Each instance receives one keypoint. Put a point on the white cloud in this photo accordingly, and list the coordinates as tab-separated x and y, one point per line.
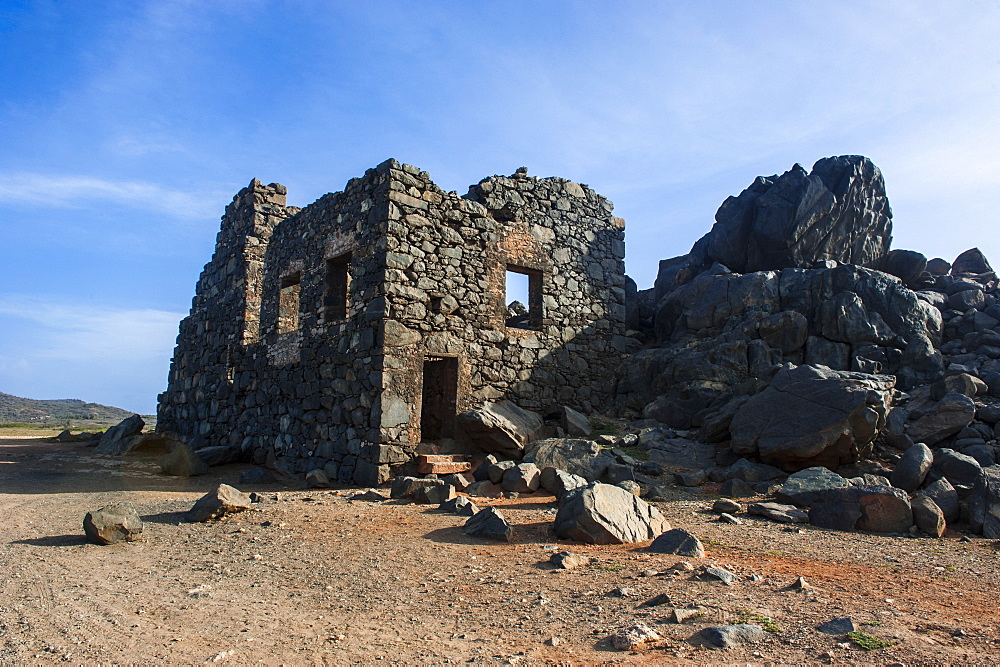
78	191
110	355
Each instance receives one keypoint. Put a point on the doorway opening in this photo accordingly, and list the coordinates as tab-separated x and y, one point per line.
439	403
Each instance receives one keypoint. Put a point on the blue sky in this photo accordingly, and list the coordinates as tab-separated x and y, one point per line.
126	127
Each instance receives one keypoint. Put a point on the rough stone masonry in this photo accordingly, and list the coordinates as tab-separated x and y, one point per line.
342	334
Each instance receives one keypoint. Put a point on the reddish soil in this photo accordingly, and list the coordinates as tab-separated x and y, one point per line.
313	577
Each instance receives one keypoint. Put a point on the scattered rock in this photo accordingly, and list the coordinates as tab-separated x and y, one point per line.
317	479
605	514
407	487
946	418
567	560
490	524
578	457
558	482
678	541
984	504
656	600
573	423
927	516
459	505
215	504
727	636
115	523
736	488
682	614
837	626
718	574
631	486
523	478
182	461
944	496
485	489
778	512
121	438
434	495
730	519
961	470
726	505
634	637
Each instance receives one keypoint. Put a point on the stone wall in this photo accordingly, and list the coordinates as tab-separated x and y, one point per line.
386	296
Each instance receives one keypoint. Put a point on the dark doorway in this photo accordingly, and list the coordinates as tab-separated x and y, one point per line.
439	398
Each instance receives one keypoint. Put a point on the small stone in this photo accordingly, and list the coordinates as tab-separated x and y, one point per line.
726	636
634	637
726	505
729	518
656	601
682	566
718	574
223	500
800	584
567	560
682	614
490	524
459	505
837	626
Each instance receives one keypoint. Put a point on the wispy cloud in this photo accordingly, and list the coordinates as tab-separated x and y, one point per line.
79	191
116	356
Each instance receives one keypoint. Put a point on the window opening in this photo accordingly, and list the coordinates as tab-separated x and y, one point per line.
439	394
523	298
337	281
288	303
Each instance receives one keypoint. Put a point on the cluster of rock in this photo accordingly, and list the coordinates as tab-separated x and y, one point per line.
791	334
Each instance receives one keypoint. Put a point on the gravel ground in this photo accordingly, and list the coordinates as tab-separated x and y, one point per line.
314	577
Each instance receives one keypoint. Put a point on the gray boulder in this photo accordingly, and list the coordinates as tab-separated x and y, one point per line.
215	504
807	486
907	265
912	467
727	636
485	489
459	505
961	470
500	427
752	472
812	416
407	487
971	262
317	479
115	523
218	455
984	504
577	457
490	524
558	482
575	424
877	509
121	438
182	461
523	478
605	514
946	418
679	542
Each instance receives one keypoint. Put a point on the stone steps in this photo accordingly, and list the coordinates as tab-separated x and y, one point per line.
442	464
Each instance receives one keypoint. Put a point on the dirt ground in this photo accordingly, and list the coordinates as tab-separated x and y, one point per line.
313	577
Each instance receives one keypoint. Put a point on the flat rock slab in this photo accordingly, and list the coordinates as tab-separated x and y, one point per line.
837	626
114	523
779	512
215	504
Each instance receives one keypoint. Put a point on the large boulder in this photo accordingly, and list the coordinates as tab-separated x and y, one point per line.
605	514
963	471
121	438
182	461
491	524
838	212
971	262
114	523
808	486
812	416
878	509
500	427
577	457
222	500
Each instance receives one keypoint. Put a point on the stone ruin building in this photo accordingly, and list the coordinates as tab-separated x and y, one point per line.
350	330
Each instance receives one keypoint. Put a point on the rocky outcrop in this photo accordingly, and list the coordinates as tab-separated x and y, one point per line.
812	416
837	212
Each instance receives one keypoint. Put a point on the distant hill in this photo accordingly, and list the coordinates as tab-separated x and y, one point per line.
17	409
